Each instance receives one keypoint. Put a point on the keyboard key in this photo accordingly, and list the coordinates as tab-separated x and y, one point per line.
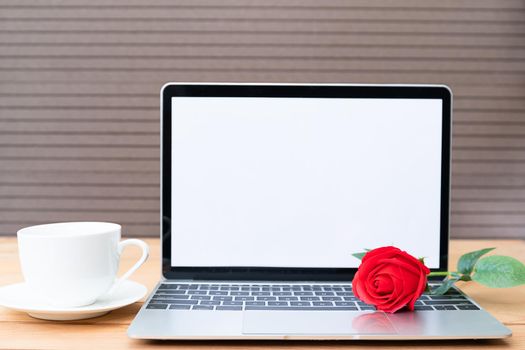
446	297
184	302
213	292
229	288
331	298
255	303
366	308
202	307
444	307
288	298
446	302
168	301
169	286
221	298
170	297
350	299
169	292
325	294
322	303
344	303
198	292
282	294
467	307
265	298
309	298
244	298
180	307
210	302
302	293
278	303
300	303
157	306
159	301
232	303
423	308
230	308
200	297
240	293
261	293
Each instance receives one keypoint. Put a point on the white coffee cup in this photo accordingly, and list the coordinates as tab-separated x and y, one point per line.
72	264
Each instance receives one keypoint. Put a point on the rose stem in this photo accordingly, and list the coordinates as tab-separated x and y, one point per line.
439	273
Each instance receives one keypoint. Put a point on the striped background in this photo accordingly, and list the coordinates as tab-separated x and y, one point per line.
79	85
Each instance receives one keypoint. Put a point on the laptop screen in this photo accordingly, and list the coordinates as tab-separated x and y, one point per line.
303	182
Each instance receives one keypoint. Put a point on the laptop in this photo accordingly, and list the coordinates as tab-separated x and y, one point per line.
268	189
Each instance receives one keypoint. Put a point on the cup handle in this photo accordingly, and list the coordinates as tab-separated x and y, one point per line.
143	258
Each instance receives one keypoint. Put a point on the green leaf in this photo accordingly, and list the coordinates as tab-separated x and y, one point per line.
467	261
499	271
445	286
455	274
359	255
465	278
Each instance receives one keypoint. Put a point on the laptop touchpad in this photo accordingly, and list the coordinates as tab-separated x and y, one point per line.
315	322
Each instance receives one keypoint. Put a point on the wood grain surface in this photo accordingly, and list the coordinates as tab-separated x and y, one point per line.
19	331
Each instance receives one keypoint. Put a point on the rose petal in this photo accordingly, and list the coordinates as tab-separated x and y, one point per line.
404	296
370	281
407	265
414	261
385	285
385	251
422	283
398	287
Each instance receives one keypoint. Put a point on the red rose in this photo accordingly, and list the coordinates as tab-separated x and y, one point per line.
390	279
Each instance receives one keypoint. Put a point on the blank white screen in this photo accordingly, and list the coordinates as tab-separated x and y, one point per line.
303	182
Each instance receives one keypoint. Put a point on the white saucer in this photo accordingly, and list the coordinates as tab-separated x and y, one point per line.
19	297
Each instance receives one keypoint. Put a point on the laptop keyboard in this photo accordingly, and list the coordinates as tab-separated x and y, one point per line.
311	297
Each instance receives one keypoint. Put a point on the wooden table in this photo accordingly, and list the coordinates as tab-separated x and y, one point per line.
19	331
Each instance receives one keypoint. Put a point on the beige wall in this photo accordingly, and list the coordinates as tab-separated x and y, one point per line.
79	85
